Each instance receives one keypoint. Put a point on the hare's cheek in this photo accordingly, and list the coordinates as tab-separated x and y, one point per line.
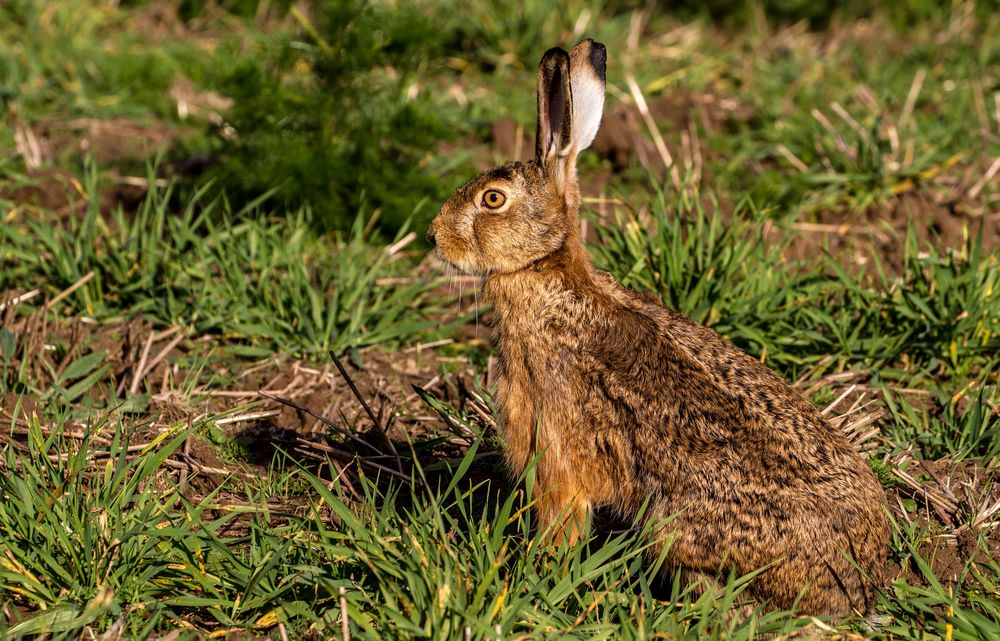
465	227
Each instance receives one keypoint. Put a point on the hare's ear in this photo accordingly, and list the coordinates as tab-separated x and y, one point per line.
588	62
555	109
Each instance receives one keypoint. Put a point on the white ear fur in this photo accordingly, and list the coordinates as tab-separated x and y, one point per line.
588	64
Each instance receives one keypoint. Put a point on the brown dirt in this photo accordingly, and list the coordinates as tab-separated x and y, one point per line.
952	498
882	231
58	191
109	141
178	393
50	189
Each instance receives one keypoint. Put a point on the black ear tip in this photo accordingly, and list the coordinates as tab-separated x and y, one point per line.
598	58
553	57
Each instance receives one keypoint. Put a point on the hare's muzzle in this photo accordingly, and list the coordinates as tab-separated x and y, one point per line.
430	235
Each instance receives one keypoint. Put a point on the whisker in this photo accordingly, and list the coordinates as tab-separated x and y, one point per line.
475	294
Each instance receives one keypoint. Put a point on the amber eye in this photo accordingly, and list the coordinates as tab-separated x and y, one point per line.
494	199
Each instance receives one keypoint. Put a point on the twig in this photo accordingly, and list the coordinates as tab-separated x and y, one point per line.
837	138
422	346
231	393
400	244
322	419
829	408
364	404
978	187
188	464
167	333
159	357
140	368
17	300
350	458
69	290
792	158
939	502
252	416
345	627
851	122
654	131
911	97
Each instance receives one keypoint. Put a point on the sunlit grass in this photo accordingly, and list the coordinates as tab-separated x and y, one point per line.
770	124
264	283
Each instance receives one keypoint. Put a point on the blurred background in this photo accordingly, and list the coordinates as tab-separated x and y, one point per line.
812	109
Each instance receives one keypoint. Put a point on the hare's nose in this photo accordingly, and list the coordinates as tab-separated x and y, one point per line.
430	236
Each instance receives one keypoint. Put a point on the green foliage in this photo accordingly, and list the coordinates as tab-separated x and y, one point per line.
964	607
189	9
943	310
505	35
340	118
90	546
82	546
446	566
86	550
822	13
953	427
265	283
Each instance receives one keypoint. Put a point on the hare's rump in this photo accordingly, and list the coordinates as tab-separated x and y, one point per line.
627	404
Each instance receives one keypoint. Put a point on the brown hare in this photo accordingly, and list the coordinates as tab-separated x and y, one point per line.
627	402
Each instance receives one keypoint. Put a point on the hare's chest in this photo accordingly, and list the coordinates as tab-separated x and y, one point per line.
538	397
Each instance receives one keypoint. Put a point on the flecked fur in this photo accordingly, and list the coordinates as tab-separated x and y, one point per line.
629	402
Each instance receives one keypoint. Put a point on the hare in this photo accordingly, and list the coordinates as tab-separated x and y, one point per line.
627	404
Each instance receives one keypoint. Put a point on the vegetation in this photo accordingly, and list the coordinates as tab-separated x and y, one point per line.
238	398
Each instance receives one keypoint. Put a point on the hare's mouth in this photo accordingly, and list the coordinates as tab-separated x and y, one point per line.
459	265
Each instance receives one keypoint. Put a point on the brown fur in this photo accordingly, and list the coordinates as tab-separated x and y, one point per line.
629	402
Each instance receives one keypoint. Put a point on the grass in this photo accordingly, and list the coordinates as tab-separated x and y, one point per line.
265	284
108	547
833	213
112	542
940	310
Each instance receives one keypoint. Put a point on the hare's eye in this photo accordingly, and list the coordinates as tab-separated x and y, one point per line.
493	199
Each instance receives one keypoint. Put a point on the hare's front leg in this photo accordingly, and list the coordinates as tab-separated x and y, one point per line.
562	501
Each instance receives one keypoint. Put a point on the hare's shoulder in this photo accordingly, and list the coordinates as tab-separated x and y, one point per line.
672	364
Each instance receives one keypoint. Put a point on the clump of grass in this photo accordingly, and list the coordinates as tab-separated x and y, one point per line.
942	310
91	546
111	543
445	566
268	284
953	426
83	542
962	606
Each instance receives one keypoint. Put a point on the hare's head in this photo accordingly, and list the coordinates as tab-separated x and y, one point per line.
511	216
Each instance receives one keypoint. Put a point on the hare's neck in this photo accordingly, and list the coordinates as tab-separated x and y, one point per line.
535	301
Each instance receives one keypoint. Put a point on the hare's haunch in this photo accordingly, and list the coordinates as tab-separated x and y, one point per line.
628	402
